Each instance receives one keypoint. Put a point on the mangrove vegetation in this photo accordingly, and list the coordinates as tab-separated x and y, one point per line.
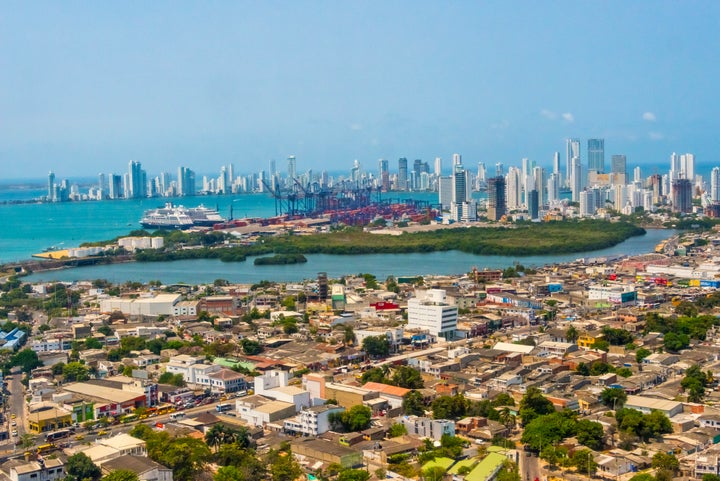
524	239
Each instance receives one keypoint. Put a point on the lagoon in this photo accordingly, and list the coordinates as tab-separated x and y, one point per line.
381	265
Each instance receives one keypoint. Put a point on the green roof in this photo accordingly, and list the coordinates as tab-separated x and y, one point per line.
497	449
444	463
486	468
469	462
231	363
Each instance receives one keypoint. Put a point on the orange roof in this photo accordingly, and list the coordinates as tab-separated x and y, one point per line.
386	389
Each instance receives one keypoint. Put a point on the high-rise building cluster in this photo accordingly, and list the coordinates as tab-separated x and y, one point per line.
581	182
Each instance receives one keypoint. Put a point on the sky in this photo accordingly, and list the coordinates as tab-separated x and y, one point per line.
87	86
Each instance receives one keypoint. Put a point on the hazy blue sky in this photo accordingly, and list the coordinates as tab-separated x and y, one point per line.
87	86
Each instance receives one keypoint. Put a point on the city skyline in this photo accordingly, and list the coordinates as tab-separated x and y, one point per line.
88	85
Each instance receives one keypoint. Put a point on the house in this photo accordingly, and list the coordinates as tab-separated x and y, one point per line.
145	468
556	349
428	428
613	466
646	405
586	340
394	394
709	421
261	411
38	470
312	421
327	452
274	384
227	381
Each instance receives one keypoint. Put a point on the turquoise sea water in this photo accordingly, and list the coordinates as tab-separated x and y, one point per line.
32	227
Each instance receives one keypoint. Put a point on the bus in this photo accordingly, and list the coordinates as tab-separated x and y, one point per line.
129	418
165	408
44	448
224	407
63	433
175	416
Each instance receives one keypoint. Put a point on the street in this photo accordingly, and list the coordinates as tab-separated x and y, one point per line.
529	467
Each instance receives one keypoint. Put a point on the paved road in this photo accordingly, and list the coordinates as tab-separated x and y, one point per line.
529	467
16	402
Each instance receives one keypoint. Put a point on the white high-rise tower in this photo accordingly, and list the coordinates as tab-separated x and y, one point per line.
572	147
715	184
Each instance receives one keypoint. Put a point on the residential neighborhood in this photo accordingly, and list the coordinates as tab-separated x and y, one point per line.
604	367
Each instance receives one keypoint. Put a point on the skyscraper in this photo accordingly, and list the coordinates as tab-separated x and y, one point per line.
384	174
687	166
596	155
538	185
272	168
355	172
292	168
619	169
572	150
496	198
438	166
51	186
460	184
576	179
402	178
186	181
553	188
533	204
619	164
513	188
136	181
481	172
115	182
457	159
681	195
556	163
715	184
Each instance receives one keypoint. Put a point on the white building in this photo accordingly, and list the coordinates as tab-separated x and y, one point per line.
430	311
160	304
312	421
47	470
428	428
614	294
394	335
131	244
274	384
226	380
186	308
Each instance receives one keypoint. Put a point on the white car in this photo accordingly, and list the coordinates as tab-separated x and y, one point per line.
14	423
14	432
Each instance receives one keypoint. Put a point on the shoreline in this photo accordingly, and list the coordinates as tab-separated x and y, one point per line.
199	271
47	265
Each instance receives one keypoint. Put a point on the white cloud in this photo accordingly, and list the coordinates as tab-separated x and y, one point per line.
356	127
548	114
649	116
503	124
568	117
656	136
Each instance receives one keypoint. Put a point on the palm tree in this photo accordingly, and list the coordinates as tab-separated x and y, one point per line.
215	436
507	418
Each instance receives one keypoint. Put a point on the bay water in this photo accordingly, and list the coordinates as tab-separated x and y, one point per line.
199	271
29	228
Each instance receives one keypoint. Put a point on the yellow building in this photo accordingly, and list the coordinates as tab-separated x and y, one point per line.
587	339
49	420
